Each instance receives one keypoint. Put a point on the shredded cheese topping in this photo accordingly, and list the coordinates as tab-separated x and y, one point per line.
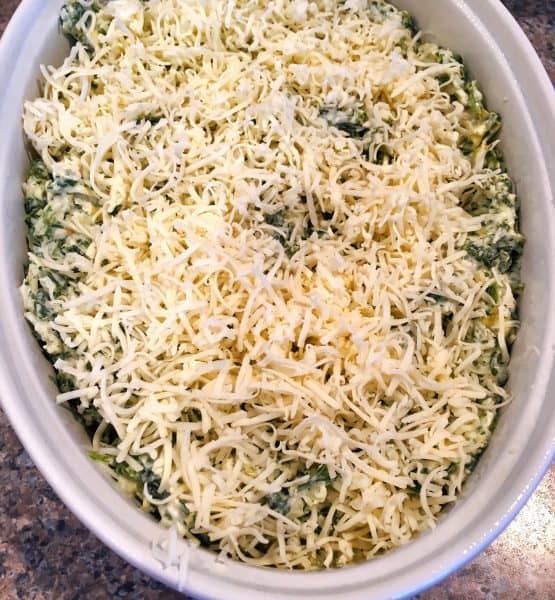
253	267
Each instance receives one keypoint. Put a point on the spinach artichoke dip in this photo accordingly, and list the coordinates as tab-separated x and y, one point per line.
274	260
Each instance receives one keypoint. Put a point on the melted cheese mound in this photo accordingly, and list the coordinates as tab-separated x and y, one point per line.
252	266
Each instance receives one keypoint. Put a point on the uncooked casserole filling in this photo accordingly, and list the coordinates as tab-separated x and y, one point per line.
274	260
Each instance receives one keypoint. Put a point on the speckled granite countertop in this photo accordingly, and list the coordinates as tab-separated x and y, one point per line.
46	553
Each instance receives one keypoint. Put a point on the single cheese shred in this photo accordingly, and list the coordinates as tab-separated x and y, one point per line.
274	260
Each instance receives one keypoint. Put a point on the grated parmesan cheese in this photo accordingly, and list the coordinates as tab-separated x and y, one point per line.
275	264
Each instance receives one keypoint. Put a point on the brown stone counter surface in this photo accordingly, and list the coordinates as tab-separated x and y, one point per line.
45	553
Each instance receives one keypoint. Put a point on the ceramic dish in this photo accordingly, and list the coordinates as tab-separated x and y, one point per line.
501	58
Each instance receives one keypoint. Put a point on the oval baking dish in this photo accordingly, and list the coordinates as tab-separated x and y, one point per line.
501	58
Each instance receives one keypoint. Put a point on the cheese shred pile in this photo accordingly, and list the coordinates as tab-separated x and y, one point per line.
273	257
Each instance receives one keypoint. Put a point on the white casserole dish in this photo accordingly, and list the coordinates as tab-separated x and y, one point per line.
501	58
